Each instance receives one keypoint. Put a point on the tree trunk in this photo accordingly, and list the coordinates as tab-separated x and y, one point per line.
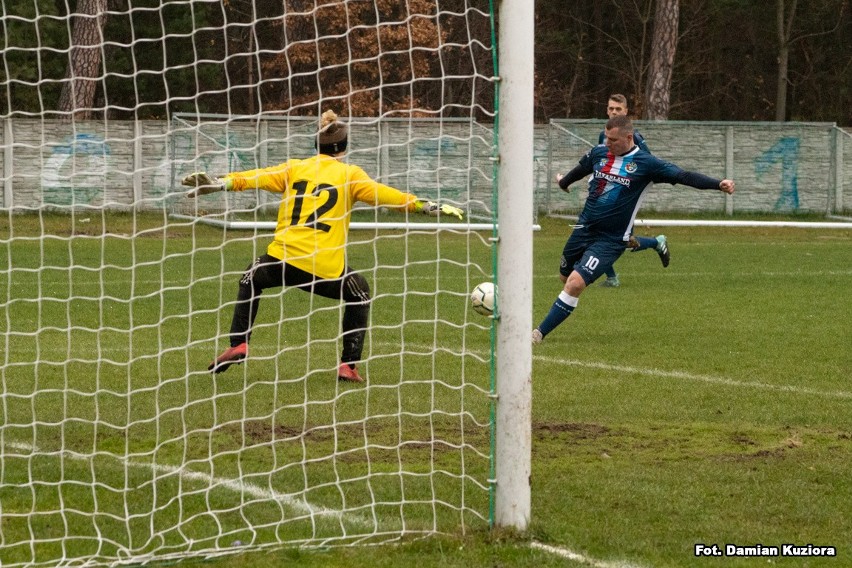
84	61
783	29
663	48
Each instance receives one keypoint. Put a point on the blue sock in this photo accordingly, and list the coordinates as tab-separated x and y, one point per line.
645	243
559	312
610	272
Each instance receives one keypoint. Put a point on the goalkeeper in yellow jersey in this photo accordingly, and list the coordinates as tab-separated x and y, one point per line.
309	248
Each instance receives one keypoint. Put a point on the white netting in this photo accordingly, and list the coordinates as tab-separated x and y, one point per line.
116	444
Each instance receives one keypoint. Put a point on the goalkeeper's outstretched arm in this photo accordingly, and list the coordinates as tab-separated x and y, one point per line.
369	191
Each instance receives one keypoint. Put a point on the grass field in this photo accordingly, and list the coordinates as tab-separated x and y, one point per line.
703	403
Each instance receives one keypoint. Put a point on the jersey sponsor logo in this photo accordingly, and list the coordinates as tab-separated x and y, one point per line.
625	181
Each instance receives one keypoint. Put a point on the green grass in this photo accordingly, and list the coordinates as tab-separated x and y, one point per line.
706	402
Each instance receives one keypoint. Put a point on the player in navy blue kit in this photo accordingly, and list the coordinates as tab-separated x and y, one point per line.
617	106
620	173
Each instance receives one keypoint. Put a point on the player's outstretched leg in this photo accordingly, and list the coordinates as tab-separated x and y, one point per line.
356	318
657	243
642	243
264	272
559	312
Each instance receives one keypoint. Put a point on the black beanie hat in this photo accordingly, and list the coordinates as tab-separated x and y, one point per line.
333	135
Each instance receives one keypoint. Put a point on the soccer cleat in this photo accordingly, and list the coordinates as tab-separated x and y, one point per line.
537	337
663	250
347	373
611	282
231	356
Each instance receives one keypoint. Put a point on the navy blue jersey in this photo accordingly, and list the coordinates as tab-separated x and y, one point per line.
616	186
638	139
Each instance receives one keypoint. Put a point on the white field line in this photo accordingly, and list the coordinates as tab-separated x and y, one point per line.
681	375
577	557
297	505
678	375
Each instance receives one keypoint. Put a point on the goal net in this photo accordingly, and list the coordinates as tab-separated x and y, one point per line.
116	291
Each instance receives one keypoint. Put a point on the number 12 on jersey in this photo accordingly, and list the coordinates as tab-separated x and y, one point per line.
312	219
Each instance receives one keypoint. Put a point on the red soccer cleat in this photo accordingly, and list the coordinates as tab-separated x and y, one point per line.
231	356
347	373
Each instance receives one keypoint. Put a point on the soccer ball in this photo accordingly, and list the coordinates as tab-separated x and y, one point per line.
482	298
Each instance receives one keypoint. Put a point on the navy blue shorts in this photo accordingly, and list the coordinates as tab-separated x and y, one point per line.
590	254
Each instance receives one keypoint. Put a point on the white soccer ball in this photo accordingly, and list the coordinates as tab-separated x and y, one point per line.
482	298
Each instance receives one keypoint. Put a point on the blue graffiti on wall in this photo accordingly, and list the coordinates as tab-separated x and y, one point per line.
786	151
79	155
433	148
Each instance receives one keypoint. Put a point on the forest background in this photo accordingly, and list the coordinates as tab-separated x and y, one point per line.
733	60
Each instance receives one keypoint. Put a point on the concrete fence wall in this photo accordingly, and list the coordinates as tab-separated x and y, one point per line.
137	165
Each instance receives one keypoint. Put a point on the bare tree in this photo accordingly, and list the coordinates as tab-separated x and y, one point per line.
783	27
619	32
84	59
784	19
663	47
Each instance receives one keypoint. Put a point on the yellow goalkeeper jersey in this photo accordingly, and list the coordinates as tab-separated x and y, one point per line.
316	205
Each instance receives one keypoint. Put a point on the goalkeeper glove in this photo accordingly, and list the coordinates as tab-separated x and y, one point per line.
204	184
435	209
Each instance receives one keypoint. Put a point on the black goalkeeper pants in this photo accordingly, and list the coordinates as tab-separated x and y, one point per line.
269	272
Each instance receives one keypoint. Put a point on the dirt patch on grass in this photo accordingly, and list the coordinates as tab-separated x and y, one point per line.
260	431
429	437
570	430
775	451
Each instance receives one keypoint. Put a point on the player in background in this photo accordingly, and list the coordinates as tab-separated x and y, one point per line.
620	172
309	247
617	106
